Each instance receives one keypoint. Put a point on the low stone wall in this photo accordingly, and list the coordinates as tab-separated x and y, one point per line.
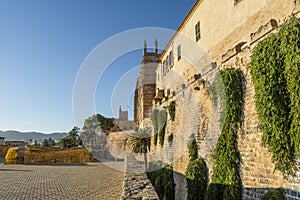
137	186
3	149
61	156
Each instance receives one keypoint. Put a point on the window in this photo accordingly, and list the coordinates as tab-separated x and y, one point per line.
171	59
197	31
179	52
236	2
158	77
164	67
167	63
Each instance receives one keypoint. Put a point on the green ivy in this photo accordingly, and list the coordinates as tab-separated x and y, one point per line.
197	179
275	73
274	194
154	119
162	122
193	148
172	110
226	173
170	138
290	45
217	94
196	173
161	176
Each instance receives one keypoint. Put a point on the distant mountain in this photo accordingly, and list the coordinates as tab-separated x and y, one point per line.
26	136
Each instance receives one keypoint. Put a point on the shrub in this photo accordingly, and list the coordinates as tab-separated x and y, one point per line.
170	138
172	110
161	177
274	194
197	179
154	119
193	149
11	156
162	122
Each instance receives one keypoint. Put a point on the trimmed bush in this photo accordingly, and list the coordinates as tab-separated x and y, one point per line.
11	156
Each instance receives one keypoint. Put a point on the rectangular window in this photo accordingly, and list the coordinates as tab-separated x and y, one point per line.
171	59
179	52
197	31
167	63
164	67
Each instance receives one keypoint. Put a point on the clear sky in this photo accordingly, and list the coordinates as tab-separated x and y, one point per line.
44	43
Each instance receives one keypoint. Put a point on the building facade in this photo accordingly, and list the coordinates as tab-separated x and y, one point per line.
123	122
145	86
2	140
214	35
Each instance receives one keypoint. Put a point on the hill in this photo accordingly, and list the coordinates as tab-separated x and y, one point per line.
27	136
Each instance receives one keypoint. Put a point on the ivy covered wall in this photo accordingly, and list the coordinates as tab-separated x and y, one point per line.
275	70
226	180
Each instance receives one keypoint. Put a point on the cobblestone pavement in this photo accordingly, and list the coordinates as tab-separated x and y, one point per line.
74	181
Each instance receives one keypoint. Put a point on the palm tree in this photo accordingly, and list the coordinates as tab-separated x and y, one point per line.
140	142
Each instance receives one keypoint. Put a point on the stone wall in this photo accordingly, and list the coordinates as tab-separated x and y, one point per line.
257	169
53	156
3	149
227	43
136	185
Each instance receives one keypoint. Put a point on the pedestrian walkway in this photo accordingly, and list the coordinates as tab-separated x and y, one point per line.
70	181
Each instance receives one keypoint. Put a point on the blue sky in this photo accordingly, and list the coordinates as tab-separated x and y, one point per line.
44	43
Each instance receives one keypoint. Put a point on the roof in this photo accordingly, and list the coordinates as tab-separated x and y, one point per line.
2	137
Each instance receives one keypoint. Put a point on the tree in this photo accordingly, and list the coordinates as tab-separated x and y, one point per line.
72	140
45	143
140	142
92	125
48	142
51	142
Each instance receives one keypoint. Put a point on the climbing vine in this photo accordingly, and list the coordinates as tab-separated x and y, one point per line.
196	176
154	119
162	122
217	94
161	176
172	110
193	148
196	173
170	138
226	178
275	70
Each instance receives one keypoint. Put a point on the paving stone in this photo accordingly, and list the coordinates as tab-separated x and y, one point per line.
75	181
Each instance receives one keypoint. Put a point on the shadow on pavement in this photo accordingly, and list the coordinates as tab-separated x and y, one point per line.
15	170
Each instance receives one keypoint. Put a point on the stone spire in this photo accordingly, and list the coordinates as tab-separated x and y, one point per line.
156	46
145	47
